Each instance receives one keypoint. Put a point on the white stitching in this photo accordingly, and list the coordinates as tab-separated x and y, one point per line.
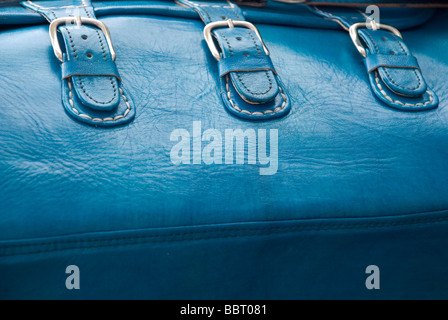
208	5
419	78
70	99
255	113
331	17
54	8
34	10
377	79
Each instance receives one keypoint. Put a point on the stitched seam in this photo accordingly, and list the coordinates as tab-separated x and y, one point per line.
208	5
34	10
376	73
72	44
207	13
105	59
232	8
70	99
415	72
343	226
227	41
152	239
229	97
99	102
377	80
255	93
239	75
203	9
374	43
54	14
102	44
330	16
267	73
255	42
85	10
53	8
385	69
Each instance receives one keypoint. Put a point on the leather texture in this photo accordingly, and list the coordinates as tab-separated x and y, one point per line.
83	68
95	97
358	182
272	13
374	61
398	86
250	86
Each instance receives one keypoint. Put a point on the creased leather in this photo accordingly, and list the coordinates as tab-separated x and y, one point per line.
250	94
402	88
97	99
407	80
72	68
358	183
374	61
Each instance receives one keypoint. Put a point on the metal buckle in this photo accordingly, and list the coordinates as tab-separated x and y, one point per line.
231	24
79	21
375	26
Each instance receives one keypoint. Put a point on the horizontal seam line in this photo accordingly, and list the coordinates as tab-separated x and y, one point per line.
259	232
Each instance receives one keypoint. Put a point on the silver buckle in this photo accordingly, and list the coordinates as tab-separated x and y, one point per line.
231	24
79	22
375	26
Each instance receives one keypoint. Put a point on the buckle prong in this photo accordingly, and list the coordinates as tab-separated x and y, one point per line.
375	26
230	24
79	21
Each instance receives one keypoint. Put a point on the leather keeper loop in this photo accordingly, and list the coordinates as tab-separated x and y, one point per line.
87	68
374	61
239	64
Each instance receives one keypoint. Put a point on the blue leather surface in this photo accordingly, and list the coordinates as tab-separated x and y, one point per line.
358	183
234	64
80	68
254	93
97	98
399	87
374	61
272	13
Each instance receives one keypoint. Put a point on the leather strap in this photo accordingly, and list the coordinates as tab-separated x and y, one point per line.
92	91
250	86
374	61
394	73
236	64
87	68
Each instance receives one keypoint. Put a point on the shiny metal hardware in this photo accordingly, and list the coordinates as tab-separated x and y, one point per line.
230	24
79	21
375	26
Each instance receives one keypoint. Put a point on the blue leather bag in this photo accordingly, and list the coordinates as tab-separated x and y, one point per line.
217	150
